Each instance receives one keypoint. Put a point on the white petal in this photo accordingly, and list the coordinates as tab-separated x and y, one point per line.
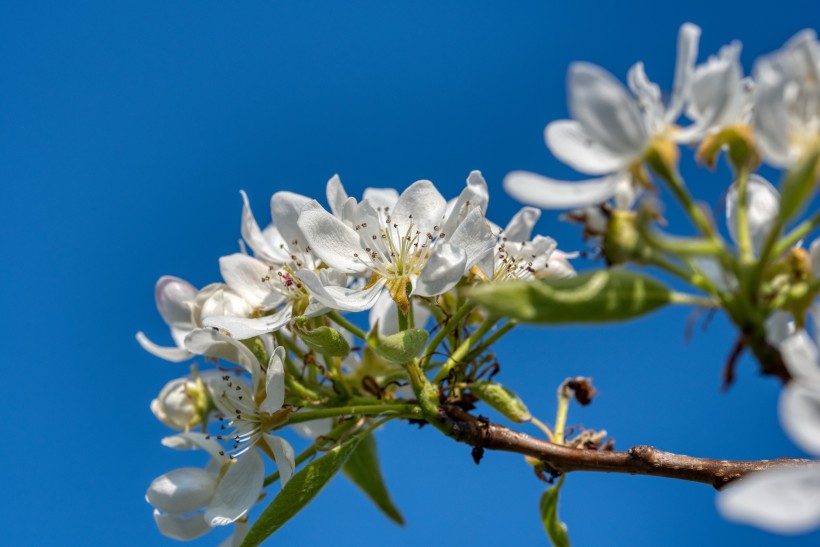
475	236
251	233
801	355
174	297
568	141
688	38
182	490
181	527
553	194
716	93
242	328
385	313
175	355
333	241
284	455
420	206
763	204
285	208
212	343
336	195
648	93
275	382
800	414
443	270
195	441
340	298
606	111
313	428
381	197
246	275
219	299
475	195
814	254
237	491
785	501
240	531
771	123
778	327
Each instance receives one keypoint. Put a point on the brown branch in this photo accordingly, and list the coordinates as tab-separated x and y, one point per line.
638	460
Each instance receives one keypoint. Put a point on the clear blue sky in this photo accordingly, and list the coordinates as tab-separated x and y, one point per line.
127	130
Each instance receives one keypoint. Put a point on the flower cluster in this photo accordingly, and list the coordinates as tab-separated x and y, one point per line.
270	328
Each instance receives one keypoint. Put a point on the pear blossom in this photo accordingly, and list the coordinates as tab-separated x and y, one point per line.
787	109
174	298
394	247
189	502
609	134
184	402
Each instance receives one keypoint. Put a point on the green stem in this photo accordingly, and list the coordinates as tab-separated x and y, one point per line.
347	325
799	232
443	331
400	410
744	238
492	339
691	299
461	351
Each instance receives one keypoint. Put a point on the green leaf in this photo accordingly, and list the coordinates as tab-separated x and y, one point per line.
363	469
324	340
299	491
400	347
594	297
798	186
502	399
556	530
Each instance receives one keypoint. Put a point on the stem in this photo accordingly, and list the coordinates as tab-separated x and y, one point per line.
458	355
744	238
400	410
692	299
337	318
799	232
492	339
443	331
638	460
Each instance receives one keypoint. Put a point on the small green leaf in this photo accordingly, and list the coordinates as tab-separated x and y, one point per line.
502	399
556	530
400	347
299	491
594	297
798	186
363	469
324	340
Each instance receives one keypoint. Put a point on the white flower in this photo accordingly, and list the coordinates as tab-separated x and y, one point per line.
787	501
394	247
787	101
609	134
183	403
188	502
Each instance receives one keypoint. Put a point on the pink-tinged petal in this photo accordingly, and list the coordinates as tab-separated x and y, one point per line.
520	226
800	414
606	111
274	382
181	527
420	206
237	491
688	37
175	355
261	246
443	270
182	490
174	297
336	195
474	236
284	455
285	209
212	343
568	141
763	204
251	278
548	193
784	501
242	328
333	241
340	298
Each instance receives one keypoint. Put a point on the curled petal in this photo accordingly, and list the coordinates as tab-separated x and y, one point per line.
785	501
381	197
174	297
242	328
247	276
520	226
237	491
549	193
688	37
175	355
212	343
475	236
255	238
193	441
284	455
336	195
275	382
340	298
285	208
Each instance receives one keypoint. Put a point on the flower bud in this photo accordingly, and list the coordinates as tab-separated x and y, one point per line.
182	403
